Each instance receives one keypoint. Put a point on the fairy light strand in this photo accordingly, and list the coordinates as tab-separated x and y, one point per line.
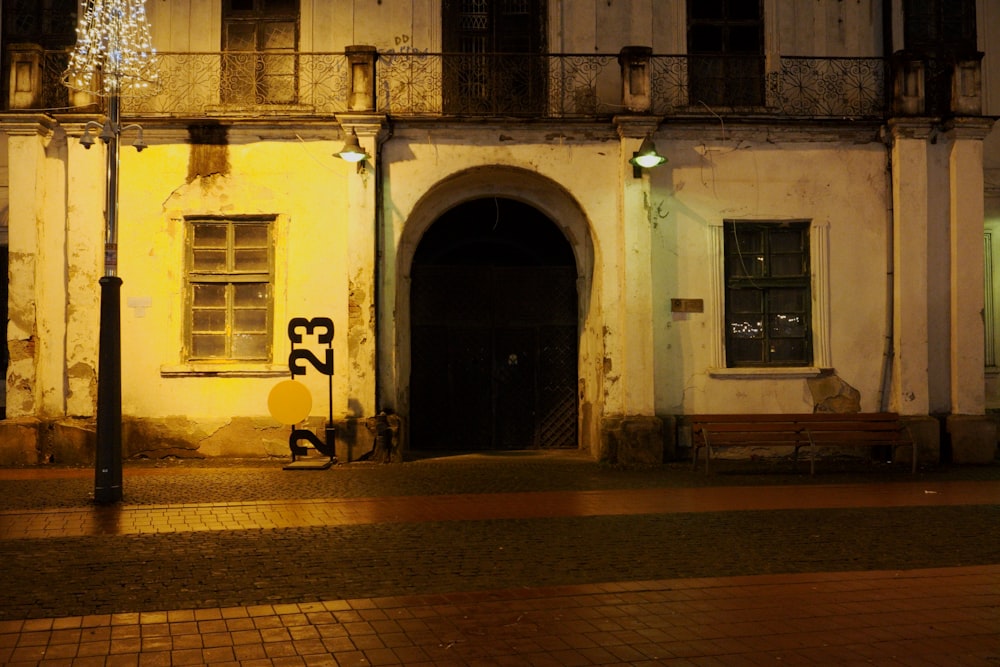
113	53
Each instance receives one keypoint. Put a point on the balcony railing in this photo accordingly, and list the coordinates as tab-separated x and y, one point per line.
498	85
212	84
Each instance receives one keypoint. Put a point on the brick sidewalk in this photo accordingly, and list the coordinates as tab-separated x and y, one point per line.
904	572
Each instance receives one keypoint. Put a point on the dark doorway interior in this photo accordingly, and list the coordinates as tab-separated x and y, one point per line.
494	331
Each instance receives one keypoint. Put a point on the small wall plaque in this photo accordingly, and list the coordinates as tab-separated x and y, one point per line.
687	305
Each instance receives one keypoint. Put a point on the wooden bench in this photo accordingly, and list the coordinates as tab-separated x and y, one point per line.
864	429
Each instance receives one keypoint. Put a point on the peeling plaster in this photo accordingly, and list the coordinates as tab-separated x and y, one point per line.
831	394
209	151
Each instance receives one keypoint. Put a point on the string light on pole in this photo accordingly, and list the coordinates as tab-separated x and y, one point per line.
113	57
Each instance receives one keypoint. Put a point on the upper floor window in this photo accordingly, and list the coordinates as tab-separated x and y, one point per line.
230	287
260	38
767	294
50	24
939	30
495	56
726	52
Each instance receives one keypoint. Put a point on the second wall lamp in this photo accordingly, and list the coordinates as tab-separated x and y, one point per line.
352	151
646	157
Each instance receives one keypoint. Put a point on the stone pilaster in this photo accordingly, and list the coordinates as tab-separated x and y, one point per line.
910	208
973	436
629	381
85	181
362	255
28	137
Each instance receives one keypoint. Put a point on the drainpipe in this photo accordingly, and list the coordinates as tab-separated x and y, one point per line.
381	140
890	276
888	347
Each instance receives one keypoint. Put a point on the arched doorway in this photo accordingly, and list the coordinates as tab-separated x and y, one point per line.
493	331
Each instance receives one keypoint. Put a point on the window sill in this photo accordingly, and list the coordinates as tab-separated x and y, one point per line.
224	370
775	373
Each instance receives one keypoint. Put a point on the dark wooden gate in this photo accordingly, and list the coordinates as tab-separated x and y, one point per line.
493	357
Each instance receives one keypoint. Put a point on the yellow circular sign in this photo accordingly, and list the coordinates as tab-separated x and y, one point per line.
289	402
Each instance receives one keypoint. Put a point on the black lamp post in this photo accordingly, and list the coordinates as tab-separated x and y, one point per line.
112	56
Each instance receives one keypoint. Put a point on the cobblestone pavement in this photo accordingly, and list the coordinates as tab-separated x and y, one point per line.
499	552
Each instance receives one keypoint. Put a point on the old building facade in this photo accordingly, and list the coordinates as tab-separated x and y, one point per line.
497	272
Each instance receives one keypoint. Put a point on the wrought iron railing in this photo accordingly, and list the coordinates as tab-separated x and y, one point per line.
208	84
799	87
557	85
549	86
832	87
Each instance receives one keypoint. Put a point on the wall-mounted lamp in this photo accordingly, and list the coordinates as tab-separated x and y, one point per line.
352	151
646	157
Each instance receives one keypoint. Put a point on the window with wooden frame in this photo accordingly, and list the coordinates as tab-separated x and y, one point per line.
767	294
259	38
494	56
230	288
726	52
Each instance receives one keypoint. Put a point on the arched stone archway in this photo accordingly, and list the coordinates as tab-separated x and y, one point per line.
550	201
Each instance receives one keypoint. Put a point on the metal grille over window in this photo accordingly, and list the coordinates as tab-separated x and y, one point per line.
768	295
230	280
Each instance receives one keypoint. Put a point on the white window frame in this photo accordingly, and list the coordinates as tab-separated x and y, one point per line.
819	263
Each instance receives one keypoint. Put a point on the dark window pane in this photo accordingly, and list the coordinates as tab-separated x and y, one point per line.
743	351
705	39
786	241
209	296
788	300
209	236
278	36
746	301
255	260
743	266
207	321
250	346
789	351
787	325
208	346
706	9
248	321
241	37
787	265
281	7
747	240
250	235
744	39
250	295
209	260
743	10
746	328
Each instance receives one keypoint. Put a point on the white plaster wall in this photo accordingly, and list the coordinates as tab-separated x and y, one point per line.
299	181
839	185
